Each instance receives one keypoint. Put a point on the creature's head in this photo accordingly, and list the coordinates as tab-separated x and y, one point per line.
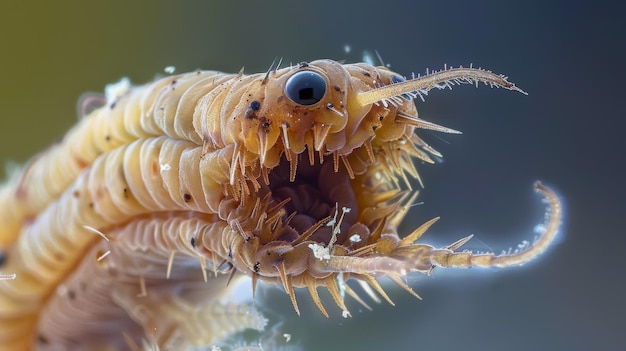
321	151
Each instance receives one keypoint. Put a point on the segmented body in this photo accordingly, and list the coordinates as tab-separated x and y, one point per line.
219	171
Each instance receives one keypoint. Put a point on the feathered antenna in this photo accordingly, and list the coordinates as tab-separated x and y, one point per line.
440	79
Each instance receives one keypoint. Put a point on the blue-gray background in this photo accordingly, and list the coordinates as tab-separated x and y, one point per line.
568	132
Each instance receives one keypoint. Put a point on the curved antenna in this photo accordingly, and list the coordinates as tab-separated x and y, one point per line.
440	79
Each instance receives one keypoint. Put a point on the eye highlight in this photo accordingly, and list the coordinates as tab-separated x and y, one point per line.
305	88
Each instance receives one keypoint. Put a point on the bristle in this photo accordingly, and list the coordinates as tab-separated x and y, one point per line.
234	163
457	244
355	296
331	285
142	287
288	286
230	276
293	165
336	161
334	110
170	262
369	149
263	147
396	279
307	233
397	217
203	267
423	124
311	153
368	290
417	233
285	136
96	231
320	132
254	280
312	286
346	163
374	284
265	172
214	264
256	210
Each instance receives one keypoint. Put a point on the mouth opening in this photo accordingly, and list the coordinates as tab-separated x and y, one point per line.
345	209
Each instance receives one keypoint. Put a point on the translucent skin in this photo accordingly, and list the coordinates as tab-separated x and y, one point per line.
222	172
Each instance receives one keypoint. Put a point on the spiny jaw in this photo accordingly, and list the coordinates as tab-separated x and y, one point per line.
315	194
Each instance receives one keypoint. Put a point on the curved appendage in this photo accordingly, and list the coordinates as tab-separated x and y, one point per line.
441	79
447	258
406	256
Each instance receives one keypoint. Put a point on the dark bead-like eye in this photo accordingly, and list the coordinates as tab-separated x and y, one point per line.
305	88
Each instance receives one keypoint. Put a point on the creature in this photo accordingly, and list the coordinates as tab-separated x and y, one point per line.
126	231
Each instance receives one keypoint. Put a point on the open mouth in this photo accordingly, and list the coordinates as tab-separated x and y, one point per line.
326	206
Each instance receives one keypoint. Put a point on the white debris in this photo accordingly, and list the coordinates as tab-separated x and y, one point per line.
165	167
345	314
287	337
347	48
355	238
320	252
114	91
169	69
540	229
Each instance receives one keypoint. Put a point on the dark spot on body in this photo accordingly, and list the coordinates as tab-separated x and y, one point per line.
303	64
107	137
367	74
3	258
193	242
255	105
112	105
126	193
76	193
91	205
187	197
265	123
42	339
257	267
71	294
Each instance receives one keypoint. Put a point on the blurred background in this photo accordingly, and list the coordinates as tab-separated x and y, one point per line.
568	132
